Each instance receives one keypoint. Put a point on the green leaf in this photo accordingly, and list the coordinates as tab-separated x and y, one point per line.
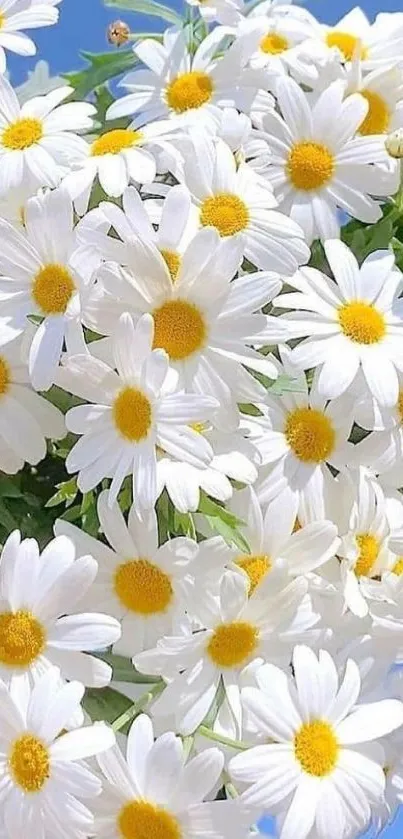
105	704
147	7
124	671
6	519
223	522
9	488
66	493
286	384
103	66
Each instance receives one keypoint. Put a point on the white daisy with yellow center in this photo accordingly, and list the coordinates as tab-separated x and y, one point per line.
283	29
158	792
236	629
319	165
313	760
378	45
354	323
132	413
13	19
382	89
143	585
40	763
37	631
38	135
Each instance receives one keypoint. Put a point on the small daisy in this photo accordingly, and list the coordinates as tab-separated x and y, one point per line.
145	586
14	17
314	763
353	323
45	273
383	90
37	140
45	779
284	28
378	44
36	629
237	630
318	163
157	792
133	411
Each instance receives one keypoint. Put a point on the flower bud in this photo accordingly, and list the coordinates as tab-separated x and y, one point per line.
394	144
118	33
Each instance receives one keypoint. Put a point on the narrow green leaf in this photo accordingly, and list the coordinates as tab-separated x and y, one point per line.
103	66
223	522
6	519
147	7
66	493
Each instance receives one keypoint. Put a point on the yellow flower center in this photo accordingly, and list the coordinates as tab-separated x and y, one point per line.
115	141
377	119
142	587
179	328
141	820
2	19
233	643
346	43
368	546
132	414
398	567
316	748
22	134
274	44
310	165
361	322
226	212
5	376
22	638
310	435
400	405
29	763
173	262
189	90
52	289
255	567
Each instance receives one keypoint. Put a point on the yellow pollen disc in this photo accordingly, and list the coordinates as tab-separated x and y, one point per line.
132	414
173	262
52	289
233	643
274	44
190	90
22	638
255	567
310	166
400	405
316	748
226	212
310	435
377	119
29	763
361	322
141	820
398	567
179	328
2	19
142	587
115	141
22	134
346	43
5	377
368	547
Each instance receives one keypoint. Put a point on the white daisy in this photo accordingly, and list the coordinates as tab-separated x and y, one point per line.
353	323
206	323
45	779
133	411
383	90
38	140
45	273
310	767
284	28
16	16
145	586
236	630
318	163
156	791
38	591
378	45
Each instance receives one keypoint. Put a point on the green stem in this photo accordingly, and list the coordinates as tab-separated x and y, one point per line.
138	706
219	738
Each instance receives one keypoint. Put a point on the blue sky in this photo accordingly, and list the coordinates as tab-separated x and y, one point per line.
83	25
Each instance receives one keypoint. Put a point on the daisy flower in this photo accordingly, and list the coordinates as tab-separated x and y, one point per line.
316	765
236	630
354	323
26	419
38	140
319	165
378	45
147	592
45	779
15	17
45	273
284	29
156	791
38	591
133	411
205	321
383	90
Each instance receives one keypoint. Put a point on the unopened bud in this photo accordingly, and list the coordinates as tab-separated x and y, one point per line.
394	144
118	33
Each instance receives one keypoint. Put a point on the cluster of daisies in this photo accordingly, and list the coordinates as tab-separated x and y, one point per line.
228	642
